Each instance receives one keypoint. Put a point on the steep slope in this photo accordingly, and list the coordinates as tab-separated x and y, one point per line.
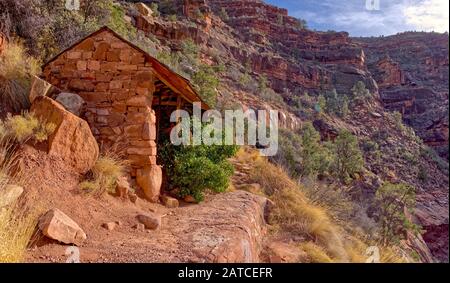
271	62
256	39
411	70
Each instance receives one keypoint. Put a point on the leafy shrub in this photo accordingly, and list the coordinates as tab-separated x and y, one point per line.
369	145
289	152
206	81
170	59
196	169
397	118
191	51
428	152
321	104
316	158
393	199
336	104
27	127
348	159
168	7
155	10
118	24
172	18
359	94
422	174
105	173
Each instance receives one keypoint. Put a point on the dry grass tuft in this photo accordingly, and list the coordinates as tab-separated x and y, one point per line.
293	212
389	255
17	225
17	220
16	67
316	254
25	127
107	170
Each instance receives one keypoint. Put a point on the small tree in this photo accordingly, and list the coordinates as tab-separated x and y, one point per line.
289	152
155	9
262	84
321	104
336	104
348	157
393	200
207	82
360	93
316	158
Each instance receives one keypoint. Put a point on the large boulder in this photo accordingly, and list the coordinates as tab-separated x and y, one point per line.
149	179
72	140
58	226
144	10
72	102
39	87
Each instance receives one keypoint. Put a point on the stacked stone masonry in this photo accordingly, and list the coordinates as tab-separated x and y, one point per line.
117	83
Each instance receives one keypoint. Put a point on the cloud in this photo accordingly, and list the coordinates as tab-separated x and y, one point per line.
430	15
353	16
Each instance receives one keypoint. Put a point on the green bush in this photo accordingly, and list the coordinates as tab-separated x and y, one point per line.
348	158
196	169
154	7
207	81
315	157
422	174
289	152
118	24
336	104
359	94
429	153
393	199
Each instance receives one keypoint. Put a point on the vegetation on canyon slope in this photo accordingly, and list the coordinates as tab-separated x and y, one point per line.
318	192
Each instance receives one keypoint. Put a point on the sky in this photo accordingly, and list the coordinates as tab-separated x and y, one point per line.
370	17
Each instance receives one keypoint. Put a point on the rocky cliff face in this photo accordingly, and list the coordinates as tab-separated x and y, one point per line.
406	73
411	70
291	56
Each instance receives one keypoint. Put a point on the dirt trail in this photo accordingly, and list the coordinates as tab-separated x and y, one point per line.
227	227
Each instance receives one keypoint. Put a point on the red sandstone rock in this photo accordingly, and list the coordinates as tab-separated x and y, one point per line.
72	140
149	179
58	226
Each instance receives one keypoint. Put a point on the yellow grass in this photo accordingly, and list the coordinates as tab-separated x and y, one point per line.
17	220
25	127
17	226
106	171
294	214
16	67
316	254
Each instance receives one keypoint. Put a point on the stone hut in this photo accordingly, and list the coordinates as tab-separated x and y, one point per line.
129	96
